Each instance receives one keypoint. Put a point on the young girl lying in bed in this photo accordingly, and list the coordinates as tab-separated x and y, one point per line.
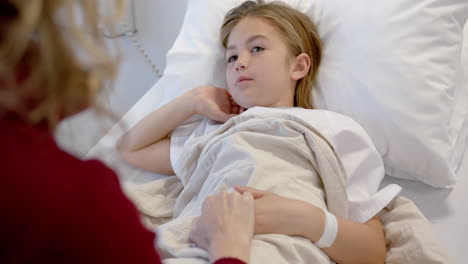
273	53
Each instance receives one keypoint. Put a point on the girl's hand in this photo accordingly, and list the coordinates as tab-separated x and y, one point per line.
215	103
278	215
355	242
226	225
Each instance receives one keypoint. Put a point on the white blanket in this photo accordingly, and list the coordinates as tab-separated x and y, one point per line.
271	150
409	236
281	152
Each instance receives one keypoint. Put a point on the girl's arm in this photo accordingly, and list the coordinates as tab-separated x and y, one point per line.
147	144
355	242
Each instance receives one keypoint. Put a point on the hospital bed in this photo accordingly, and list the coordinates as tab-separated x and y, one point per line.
445	208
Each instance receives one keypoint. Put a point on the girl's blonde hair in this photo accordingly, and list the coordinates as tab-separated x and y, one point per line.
297	30
53	57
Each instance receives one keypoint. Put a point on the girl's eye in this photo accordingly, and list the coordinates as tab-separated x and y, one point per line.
257	49
232	58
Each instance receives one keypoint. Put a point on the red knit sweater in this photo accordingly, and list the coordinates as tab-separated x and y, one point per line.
58	209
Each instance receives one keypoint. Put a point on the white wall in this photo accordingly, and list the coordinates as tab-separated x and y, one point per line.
158	23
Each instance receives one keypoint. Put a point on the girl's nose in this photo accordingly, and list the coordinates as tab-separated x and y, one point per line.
241	63
240	67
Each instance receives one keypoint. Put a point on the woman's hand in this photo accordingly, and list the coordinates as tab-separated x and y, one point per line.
275	214
215	103
226	225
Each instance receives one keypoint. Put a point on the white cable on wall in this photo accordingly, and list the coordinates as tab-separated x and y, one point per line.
133	37
131	32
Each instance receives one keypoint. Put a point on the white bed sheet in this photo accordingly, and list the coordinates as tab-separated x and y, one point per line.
446	209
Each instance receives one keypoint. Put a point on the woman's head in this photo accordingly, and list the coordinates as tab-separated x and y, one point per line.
53	60
276	49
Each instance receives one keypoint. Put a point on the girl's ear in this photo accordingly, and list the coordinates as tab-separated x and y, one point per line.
300	66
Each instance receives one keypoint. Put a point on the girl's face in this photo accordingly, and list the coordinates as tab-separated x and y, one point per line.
260	68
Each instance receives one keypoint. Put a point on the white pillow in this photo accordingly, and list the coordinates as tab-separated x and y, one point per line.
393	66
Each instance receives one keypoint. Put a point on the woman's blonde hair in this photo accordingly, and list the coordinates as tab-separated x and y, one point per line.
53	57
297	30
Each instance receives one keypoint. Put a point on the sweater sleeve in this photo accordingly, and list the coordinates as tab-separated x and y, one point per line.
105	226
229	261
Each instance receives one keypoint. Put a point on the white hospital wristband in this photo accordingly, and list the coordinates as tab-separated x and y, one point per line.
330	230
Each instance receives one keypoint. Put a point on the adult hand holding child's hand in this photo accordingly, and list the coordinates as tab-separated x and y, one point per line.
226	225
275	214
